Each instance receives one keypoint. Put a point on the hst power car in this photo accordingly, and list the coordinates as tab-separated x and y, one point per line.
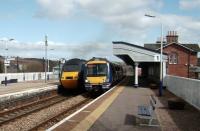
72	74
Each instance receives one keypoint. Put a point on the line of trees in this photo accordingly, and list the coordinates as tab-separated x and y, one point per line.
27	65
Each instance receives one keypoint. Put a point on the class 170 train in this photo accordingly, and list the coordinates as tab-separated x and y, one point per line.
100	74
72	74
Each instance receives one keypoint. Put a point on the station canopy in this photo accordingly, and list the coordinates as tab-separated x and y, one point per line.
131	53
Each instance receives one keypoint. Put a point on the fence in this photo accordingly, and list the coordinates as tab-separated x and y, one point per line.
28	76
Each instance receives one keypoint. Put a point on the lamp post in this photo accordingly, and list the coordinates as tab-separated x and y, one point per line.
161	56
49	58
6	59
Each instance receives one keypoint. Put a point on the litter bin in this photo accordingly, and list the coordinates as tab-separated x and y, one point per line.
176	104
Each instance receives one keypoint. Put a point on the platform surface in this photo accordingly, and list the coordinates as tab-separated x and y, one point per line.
117	111
122	114
24	86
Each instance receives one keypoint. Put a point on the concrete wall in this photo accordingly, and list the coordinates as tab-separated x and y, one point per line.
188	89
27	76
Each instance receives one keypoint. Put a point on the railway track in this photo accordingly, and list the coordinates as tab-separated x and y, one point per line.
20	111
15	102
58	117
40	115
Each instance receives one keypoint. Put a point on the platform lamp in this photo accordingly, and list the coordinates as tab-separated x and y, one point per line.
48	65
6	59
49	59
161	56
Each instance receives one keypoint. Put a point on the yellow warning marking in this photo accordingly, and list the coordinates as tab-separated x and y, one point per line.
86	111
71	121
89	120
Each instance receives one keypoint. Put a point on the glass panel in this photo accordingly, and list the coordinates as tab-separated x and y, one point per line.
173	58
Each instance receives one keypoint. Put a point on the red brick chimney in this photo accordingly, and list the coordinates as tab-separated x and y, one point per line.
172	37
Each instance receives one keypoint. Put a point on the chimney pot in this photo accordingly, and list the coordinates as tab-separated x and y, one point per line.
172	37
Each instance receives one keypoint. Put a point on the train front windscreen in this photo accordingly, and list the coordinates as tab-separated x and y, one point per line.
97	70
72	68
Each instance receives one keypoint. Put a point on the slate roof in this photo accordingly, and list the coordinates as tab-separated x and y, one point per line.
194	47
154	46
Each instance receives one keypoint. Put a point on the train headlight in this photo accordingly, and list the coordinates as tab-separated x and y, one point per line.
86	81
106	80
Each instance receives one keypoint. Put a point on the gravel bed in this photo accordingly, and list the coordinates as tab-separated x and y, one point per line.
25	123
50	124
13	102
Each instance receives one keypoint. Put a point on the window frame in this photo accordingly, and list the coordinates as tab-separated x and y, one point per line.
173	58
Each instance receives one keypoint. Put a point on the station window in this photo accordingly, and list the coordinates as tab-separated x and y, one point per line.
173	58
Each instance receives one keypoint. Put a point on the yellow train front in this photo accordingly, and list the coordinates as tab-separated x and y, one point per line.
100	74
72	74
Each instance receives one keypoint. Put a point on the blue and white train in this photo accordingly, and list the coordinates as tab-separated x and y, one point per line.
100	74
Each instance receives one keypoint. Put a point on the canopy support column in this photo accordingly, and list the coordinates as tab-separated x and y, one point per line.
136	74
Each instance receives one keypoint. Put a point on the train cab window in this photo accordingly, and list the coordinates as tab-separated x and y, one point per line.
96	69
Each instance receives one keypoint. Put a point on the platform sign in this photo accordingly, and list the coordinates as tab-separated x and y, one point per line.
62	60
156	57
6	62
9	59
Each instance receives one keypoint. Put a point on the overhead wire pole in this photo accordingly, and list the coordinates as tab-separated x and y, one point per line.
5	63
46	44
6	60
161	57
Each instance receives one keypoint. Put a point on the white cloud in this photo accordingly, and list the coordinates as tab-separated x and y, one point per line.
125	18
55	9
121	16
116	7
64	50
187	27
101	8
189	4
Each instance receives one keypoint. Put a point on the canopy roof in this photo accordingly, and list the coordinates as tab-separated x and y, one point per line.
131	53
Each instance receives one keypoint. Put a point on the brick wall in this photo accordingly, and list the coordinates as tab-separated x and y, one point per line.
180	69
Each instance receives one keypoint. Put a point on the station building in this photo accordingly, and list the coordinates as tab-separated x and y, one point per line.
182	58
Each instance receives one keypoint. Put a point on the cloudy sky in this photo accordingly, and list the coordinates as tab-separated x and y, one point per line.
86	28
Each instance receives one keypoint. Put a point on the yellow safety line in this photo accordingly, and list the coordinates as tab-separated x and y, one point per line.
89	120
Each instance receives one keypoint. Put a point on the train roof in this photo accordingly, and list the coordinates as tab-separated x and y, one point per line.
97	60
101	61
75	61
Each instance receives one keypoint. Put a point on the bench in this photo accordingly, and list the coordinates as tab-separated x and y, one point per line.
10	81
147	112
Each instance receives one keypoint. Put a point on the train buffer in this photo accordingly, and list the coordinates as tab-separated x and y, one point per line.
147	112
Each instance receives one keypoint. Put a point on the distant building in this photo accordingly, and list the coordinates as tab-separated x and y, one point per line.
57	71
182	58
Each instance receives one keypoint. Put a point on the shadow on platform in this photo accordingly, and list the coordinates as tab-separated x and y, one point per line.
183	120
